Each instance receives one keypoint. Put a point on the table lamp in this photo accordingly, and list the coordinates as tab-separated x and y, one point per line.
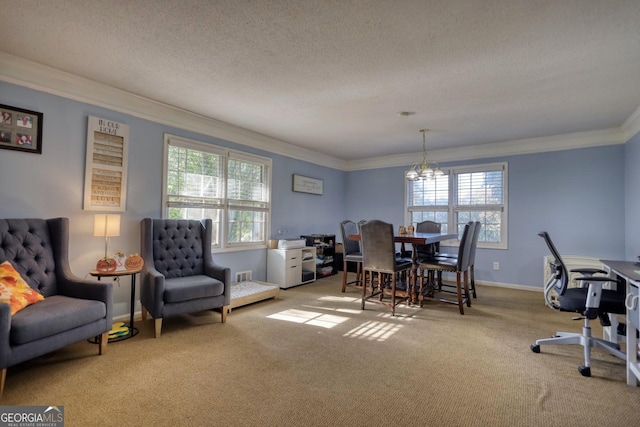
107	225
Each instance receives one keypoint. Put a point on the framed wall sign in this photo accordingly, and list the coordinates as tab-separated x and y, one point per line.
304	184
105	178
20	129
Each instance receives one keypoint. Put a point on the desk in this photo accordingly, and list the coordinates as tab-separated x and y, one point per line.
132	331
630	271
416	239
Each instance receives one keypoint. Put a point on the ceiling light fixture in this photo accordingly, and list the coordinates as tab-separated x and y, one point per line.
423	171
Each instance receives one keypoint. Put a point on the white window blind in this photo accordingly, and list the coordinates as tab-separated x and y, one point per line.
229	187
428	200
463	194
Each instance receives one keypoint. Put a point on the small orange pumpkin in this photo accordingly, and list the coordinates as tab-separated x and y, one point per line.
106	265
134	262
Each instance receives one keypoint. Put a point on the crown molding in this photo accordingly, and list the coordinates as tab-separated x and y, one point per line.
499	149
26	73
631	126
30	74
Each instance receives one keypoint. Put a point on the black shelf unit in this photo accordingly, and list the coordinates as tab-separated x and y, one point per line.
325	251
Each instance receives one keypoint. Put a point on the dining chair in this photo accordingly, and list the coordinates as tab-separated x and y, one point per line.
352	253
472	261
459	266
472	258
423	251
379	258
427	251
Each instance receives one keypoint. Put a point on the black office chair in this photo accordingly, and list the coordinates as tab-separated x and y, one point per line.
590	300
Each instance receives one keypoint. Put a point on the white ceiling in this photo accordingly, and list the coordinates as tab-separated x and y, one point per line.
332	75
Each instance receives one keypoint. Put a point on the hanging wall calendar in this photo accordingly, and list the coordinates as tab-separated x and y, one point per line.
105	183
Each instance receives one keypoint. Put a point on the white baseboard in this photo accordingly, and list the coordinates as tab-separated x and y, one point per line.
509	285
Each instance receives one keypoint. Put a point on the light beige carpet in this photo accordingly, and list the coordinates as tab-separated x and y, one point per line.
311	357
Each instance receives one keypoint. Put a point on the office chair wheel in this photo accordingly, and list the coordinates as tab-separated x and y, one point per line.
535	348
585	371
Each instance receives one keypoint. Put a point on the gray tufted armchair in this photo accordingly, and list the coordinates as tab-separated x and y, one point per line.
179	275
73	310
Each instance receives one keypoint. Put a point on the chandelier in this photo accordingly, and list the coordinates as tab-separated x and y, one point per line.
423	171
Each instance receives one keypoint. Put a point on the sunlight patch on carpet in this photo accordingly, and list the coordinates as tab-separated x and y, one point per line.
339	299
374	331
339	310
313	318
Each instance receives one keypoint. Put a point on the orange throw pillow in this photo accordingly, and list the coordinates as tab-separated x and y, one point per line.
14	290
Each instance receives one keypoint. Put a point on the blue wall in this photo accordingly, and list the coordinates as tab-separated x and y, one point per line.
52	184
575	195
583	197
632	198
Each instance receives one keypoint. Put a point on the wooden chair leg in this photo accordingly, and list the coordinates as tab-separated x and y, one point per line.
459	289
473	281
3	379
158	326
344	275
143	312
394	279
224	311
431	285
365	285
103	341
467	295
421	287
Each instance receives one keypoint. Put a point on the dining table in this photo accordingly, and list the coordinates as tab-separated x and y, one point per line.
416	239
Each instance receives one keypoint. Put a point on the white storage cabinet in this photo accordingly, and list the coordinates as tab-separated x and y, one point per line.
291	267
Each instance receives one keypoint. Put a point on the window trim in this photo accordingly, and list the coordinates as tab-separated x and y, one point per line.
226	154
452	208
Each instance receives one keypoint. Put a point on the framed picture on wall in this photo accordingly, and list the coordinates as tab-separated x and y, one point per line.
20	129
305	184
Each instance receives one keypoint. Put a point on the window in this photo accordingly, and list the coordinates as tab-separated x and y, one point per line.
231	188
470	193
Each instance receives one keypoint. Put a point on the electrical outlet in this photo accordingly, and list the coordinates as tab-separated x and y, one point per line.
496	266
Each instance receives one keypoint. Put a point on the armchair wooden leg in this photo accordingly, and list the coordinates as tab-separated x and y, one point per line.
104	340
143	312
3	378
158	326
223	311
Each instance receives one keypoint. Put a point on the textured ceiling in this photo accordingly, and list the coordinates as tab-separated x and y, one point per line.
333	75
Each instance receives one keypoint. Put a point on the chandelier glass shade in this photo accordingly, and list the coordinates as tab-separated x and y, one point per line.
423	171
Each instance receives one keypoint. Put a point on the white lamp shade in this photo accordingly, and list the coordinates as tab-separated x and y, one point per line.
106	225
